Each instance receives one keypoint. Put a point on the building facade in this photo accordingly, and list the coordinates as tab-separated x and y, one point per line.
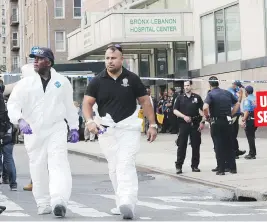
179	39
39	23
2	36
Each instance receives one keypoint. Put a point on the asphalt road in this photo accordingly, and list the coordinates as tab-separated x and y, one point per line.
161	198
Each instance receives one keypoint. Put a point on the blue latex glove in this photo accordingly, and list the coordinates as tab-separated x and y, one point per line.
74	136
24	127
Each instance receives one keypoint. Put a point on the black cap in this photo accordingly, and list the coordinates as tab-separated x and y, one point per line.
238	83
249	89
43	52
213	81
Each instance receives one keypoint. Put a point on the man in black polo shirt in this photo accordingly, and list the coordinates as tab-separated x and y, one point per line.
187	108
116	91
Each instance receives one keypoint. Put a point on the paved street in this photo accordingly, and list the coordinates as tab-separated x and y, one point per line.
161	198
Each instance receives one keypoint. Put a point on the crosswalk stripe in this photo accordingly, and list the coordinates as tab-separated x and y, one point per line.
205	213
149	204
84	211
179	199
11	207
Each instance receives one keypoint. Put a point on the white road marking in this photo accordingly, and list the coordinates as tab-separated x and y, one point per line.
11	207
149	204
145	218
14	214
179	199
204	213
84	211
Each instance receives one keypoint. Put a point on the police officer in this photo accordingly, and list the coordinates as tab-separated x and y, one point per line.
218	103
248	121
237	91
187	108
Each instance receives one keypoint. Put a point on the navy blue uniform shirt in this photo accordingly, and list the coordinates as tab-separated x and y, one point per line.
220	102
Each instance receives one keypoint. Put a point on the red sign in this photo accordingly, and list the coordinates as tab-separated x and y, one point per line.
260	112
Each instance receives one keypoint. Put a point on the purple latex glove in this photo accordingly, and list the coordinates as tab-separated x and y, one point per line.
24	127
74	136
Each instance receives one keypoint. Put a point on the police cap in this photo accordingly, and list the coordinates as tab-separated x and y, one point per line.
213	81
249	89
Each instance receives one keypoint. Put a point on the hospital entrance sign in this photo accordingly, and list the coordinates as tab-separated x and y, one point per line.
156	24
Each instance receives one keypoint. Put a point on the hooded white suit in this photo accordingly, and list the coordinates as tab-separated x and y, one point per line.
47	145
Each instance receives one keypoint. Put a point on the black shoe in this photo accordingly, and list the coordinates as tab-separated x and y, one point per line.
240	152
14	187
215	169
250	157
233	171
179	171
59	210
2	209
195	169
236	157
220	173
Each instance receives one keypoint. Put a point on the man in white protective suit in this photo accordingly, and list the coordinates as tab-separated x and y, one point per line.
116	92
39	104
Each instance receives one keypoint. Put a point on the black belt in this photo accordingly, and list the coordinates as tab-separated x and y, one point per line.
105	126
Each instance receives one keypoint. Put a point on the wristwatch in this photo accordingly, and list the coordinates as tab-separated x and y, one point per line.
154	126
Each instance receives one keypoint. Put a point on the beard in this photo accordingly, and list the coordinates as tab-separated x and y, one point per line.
113	70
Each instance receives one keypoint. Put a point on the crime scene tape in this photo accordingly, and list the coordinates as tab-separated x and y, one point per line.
155	78
202	80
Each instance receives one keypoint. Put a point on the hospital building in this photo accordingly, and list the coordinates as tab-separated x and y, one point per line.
178	39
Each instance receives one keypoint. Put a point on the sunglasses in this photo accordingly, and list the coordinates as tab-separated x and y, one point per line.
117	46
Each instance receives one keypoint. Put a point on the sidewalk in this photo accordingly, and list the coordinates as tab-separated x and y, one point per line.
159	156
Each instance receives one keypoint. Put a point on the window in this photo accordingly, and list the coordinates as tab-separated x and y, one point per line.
15	62
4	40
4	60
220	46
60	41
77	8
180	55
59	8
15	41
4	49
233	33
161	61
144	70
3	30
3	12
15	16
222	43
208	39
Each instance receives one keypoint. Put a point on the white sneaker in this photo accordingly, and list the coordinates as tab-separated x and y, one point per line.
115	211
127	211
44	210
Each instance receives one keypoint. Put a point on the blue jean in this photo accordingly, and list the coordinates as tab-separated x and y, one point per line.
9	163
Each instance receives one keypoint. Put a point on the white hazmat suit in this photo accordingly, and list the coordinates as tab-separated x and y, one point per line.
120	144
47	145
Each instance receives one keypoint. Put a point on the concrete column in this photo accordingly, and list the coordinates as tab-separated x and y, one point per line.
170	57
152	69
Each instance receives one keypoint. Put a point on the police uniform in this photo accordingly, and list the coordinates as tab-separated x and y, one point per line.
236	117
220	102
248	106
190	107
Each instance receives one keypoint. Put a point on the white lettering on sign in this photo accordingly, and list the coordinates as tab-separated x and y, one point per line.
263	101
262	116
155	25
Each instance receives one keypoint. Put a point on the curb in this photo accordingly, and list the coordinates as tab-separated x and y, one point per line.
238	194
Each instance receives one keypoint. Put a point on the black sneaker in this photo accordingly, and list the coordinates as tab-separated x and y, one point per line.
14	187
2	209
59	210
